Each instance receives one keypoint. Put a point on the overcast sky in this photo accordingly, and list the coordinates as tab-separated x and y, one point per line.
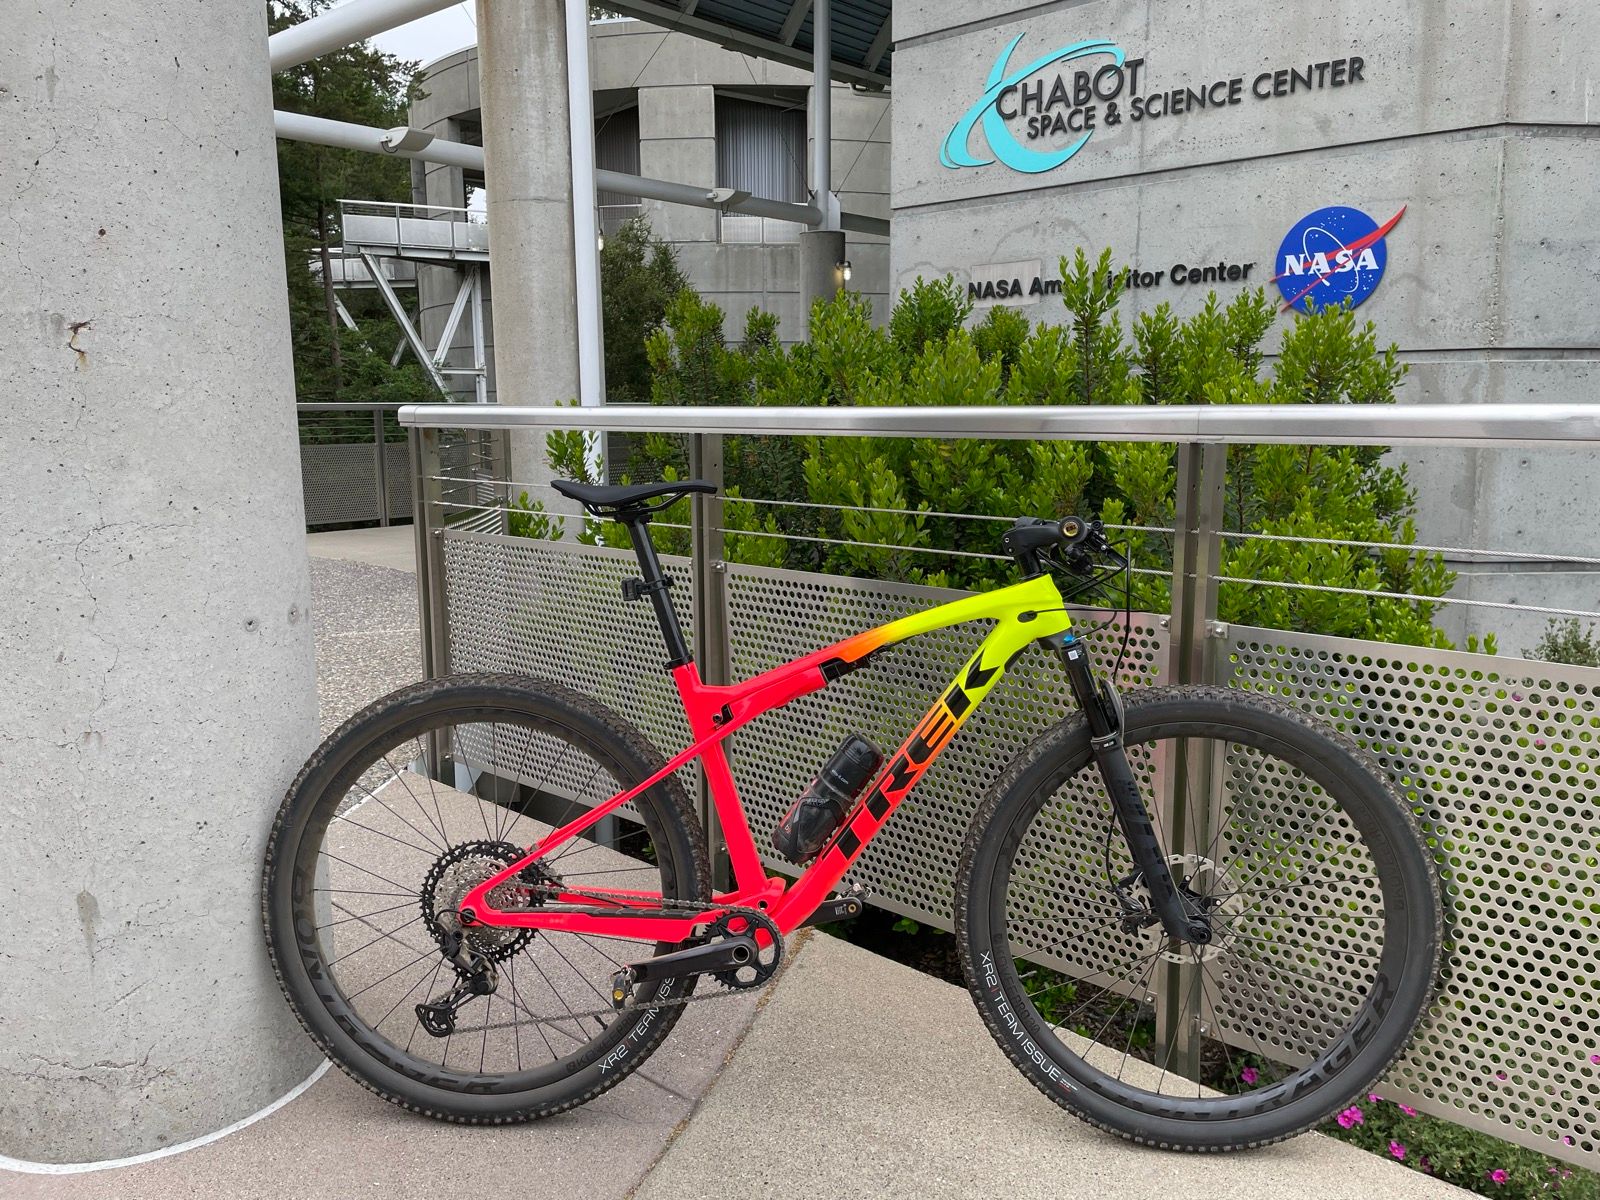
434	36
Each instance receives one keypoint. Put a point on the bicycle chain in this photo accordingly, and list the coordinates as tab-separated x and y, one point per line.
754	915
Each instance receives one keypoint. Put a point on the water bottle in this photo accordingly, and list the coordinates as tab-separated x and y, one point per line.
810	822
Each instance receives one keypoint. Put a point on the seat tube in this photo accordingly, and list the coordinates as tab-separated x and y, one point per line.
655	580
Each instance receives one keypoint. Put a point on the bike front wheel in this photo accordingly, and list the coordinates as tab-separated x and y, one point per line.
1310	869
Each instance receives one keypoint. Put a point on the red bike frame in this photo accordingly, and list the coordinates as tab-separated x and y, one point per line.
1022	614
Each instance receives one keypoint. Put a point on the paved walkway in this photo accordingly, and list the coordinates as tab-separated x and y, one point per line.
850	1075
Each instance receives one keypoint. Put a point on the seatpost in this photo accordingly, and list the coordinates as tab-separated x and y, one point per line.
654	584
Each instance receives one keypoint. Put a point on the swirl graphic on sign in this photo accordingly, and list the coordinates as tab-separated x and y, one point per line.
955	152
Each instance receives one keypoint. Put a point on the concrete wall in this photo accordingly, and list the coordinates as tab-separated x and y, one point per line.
155	634
1477	117
675	79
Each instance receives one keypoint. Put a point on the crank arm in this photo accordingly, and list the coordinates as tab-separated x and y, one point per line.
727	954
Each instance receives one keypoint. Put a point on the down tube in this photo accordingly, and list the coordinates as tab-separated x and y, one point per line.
932	734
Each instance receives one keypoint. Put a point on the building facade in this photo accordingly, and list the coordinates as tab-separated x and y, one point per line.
669	106
1432	161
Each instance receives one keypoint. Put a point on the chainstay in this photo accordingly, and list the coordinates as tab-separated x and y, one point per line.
754	915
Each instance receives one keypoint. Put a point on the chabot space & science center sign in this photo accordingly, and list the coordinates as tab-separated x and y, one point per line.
1034	116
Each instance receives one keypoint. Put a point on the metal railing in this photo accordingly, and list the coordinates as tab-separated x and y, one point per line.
1499	755
353	467
414	230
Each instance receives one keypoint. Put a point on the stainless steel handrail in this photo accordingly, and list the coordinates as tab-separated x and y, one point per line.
1278	424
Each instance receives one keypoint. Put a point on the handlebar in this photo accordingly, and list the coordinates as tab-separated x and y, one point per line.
1080	540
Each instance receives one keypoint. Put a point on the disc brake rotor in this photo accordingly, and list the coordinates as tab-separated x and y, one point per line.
1209	888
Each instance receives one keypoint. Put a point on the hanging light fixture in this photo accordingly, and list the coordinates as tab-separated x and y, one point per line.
843	266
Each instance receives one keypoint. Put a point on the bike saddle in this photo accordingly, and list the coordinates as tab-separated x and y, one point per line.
598	498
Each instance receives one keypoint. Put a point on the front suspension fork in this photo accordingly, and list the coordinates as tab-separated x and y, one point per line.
1103	710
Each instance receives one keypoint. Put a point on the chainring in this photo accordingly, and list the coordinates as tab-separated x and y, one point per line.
760	969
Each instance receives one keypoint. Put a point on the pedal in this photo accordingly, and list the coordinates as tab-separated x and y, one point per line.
837	908
621	989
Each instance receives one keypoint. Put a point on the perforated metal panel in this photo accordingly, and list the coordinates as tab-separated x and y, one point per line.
340	483
1501	758
397	480
555	612
775	616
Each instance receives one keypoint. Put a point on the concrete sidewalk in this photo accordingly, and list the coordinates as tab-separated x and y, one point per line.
856	1077
862	1077
392	546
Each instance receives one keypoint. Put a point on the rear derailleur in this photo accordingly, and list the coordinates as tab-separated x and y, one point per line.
475	976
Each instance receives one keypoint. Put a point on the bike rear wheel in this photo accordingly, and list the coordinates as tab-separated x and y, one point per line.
404	809
1320	891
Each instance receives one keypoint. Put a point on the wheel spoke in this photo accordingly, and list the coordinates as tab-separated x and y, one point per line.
1294	898
377	967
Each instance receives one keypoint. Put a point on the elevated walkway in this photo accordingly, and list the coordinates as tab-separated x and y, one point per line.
417	232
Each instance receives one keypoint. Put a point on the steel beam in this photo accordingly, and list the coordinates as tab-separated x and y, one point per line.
323	132
397	310
338	27
822	115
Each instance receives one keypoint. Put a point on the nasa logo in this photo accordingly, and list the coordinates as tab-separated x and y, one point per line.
1335	255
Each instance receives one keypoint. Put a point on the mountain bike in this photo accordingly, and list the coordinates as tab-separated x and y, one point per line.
1190	915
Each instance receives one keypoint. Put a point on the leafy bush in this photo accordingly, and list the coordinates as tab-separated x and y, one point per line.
639	277
1567	642
889	499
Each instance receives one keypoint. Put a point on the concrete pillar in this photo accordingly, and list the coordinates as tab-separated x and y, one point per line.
160	690
522	64
821	252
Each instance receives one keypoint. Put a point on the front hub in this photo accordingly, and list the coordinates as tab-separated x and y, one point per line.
1212	898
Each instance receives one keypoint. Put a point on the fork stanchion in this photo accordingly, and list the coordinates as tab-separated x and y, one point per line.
1187	788
710	624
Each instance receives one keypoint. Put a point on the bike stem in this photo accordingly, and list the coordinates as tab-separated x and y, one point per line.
1104	715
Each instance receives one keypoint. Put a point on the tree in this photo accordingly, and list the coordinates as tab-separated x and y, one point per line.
639	277
365	85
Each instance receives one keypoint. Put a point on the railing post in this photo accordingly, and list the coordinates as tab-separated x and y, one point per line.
382	472
426	492
1188	786
712	649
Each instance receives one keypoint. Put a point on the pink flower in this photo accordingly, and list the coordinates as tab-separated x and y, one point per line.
1407	1109
1538	743
1498	1175
1396	1149
1249	1075
1501	1075
1374	1097
1350	1117
1595	1059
